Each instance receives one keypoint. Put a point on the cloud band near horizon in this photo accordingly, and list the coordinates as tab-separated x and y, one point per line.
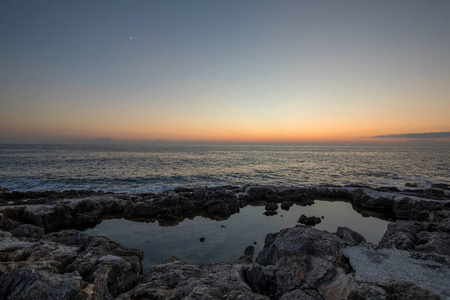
428	135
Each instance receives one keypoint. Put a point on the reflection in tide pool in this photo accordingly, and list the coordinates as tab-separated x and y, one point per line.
226	240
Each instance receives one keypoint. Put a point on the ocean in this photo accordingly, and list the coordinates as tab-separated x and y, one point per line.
145	168
153	168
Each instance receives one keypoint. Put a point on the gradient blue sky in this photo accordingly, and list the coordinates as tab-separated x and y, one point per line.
268	71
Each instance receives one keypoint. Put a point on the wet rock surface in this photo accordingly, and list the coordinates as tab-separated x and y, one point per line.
310	221
411	262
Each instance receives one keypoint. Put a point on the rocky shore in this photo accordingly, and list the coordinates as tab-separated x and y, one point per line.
43	255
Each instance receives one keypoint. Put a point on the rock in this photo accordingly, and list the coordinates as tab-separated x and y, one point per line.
270	213
396	272
73	263
64	213
298	256
310	221
176	279
248	255
443	186
271	206
409	184
296	263
286	205
260	193
28	231
250	250
215	203
416	236
350	236
32	283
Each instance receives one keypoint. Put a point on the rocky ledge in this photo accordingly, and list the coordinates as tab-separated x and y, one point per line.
42	256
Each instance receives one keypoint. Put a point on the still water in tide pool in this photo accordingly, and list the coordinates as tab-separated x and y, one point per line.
226	240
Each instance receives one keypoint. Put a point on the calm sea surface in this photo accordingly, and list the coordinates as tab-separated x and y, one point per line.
138	169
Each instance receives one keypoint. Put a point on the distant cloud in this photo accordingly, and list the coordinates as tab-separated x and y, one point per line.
428	135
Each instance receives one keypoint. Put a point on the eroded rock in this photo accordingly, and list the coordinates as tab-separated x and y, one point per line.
74	264
177	279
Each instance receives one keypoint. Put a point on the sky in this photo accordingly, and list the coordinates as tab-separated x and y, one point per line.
224	71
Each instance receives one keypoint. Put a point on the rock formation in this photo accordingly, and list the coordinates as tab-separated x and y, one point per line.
42	256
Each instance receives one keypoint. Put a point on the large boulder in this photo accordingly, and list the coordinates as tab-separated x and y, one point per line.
302	262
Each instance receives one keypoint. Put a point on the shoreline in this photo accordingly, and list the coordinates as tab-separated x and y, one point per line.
32	221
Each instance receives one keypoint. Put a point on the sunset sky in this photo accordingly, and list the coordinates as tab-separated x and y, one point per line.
224	71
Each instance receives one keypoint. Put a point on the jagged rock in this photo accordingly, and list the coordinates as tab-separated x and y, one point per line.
64	213
286	205
270	212
380	203
213	202
443	186
296	263
33	283
260	193
416	236
301	258
28	231
93	266
271	206
350	236
176	279
310	221
301	196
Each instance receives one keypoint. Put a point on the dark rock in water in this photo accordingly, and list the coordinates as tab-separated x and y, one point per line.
409	184
250	250
248	255
271	206
67	265
443	186
270	213
350	236
202	239
286	205
310	221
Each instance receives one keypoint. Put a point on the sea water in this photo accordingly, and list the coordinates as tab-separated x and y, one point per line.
153	168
